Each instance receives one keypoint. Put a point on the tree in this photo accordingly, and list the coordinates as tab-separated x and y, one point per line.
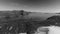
23	13
54	20
7	16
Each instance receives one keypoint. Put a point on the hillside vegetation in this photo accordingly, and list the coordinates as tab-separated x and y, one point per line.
21	21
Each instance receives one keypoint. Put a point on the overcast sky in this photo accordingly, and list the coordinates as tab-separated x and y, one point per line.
31	5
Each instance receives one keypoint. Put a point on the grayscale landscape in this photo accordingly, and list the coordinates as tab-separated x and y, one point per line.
29	16
22	20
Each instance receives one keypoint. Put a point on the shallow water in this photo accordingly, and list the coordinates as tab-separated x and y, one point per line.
52	30
22	33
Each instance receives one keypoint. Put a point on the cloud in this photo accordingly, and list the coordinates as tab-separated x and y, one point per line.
31	2
31	5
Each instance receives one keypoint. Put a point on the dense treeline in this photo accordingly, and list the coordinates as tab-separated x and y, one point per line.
17	23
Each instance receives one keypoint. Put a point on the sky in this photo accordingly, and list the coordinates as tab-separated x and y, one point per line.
51	6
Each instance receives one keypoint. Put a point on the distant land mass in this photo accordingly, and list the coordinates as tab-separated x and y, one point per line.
34	15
